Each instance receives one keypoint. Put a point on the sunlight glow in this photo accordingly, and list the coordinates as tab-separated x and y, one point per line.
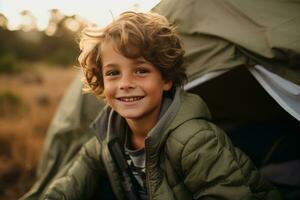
98	12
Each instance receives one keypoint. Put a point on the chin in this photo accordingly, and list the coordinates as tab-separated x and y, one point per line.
131	115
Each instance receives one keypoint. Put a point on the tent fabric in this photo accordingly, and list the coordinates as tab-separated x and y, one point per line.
285	93
221	34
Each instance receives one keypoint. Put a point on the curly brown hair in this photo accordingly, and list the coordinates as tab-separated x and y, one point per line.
147	35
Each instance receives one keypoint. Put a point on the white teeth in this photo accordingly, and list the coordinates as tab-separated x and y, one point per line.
130	99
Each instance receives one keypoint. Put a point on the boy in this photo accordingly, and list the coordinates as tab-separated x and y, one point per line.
153	140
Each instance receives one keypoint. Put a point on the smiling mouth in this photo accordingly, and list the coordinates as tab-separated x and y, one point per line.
130	99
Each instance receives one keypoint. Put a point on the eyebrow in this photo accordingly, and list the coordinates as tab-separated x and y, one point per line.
136	62
110	65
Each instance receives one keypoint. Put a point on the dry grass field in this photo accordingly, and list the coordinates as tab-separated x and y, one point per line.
27	104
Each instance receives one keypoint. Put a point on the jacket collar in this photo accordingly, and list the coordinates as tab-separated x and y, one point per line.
106	123
191	107
184	106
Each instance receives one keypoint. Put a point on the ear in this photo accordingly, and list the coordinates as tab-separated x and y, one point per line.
167	85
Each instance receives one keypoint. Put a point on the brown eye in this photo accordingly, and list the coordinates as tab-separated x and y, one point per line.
142	71
112	73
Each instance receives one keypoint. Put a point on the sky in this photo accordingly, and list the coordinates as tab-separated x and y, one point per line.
96	11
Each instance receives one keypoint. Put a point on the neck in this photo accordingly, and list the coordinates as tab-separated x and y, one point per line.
140	129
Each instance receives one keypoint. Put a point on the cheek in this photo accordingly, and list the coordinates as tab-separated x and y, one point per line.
156	91
107	91
108	95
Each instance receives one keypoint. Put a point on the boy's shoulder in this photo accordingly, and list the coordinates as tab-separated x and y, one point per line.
195	129
193	119
198	136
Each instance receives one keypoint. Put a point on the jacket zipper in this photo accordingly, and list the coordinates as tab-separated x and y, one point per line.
147	171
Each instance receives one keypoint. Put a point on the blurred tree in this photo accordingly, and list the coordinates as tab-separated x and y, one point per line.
3	21
74	23
8	64
28	21
57	44
62	25
55	18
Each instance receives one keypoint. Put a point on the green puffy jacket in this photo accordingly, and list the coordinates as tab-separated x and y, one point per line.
193	159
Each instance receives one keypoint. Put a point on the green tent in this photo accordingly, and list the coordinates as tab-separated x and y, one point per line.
243	59
222	34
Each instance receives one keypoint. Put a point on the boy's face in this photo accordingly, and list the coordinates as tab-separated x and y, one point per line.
132	87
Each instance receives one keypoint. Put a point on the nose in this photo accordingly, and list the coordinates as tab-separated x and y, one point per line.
127	82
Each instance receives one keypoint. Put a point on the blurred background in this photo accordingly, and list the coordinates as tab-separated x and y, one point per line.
38	52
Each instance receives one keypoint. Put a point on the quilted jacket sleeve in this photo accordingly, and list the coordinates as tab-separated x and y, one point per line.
214	169
82	178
